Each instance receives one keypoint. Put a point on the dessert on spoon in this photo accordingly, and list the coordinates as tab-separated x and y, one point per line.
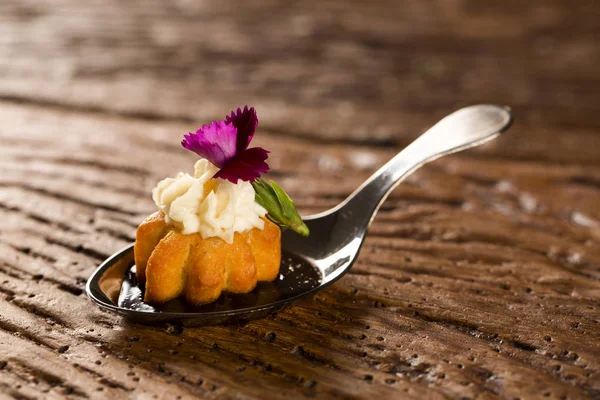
215	231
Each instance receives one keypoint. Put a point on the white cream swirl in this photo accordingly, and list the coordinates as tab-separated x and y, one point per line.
211	207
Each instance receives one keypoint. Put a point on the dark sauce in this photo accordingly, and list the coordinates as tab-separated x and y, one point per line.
296	275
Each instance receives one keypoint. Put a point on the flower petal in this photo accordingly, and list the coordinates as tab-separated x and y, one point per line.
247	166
245	121
215	142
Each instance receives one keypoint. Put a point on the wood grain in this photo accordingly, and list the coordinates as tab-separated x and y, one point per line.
480	275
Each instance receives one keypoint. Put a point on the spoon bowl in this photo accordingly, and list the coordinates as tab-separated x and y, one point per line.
309	264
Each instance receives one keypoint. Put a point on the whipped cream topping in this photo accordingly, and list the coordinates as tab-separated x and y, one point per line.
210	207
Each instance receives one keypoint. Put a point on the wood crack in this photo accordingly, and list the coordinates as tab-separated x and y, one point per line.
49	378
9	327
61	285
102	379
80	249
78	163
40	219
76	180
64	197
117	235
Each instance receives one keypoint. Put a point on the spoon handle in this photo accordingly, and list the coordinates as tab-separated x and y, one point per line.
465	128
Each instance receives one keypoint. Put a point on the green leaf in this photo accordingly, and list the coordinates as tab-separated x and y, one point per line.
287	205
280	207
266	197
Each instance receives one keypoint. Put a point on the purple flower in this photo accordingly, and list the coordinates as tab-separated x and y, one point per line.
225	144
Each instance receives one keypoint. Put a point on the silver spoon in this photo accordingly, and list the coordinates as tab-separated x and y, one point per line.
308	264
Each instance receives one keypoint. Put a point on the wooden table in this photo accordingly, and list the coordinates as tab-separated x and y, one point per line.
479	277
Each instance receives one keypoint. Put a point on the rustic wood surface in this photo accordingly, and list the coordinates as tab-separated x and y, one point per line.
480	277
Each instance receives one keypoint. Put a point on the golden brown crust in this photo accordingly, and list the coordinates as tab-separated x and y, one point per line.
173	264
147	236
239	265
266	255
206	272
165	271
